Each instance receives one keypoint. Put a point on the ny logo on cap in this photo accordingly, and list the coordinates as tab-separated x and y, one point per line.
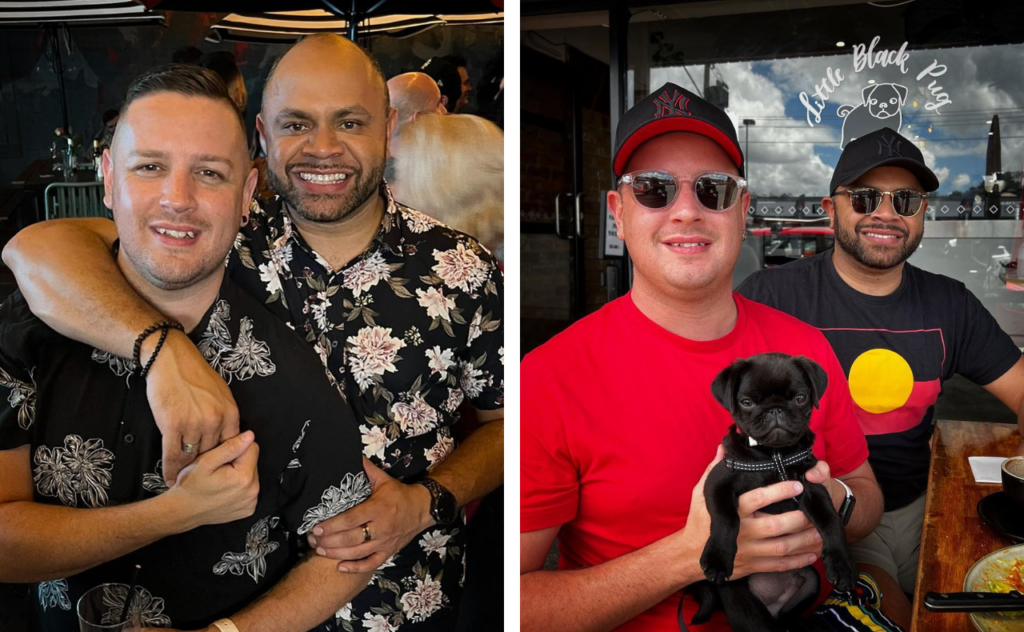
886	143
676	105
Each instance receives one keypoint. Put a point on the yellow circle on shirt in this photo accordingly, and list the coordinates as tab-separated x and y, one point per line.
880	381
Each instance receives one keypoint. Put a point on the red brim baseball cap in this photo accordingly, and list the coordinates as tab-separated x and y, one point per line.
672	108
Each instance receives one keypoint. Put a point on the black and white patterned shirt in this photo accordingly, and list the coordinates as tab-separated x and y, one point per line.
410	329
94	443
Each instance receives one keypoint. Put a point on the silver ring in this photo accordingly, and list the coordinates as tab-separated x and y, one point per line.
188	448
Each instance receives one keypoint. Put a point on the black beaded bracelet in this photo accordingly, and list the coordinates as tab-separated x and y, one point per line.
152	358
164	325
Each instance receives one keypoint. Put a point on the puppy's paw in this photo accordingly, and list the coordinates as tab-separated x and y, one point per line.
717	566
840	571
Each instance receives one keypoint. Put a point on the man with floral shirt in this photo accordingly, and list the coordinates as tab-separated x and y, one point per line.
405	313
82	496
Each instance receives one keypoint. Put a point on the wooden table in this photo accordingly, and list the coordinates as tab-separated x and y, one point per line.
954	537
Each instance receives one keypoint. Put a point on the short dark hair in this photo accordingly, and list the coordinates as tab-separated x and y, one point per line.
447	77
376	70
223	63
110	115
192	81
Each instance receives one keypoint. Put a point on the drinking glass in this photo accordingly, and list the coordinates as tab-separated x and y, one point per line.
99	610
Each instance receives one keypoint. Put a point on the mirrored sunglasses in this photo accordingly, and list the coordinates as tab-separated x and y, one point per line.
655	189
866	200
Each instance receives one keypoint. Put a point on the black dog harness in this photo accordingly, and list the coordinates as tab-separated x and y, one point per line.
776	462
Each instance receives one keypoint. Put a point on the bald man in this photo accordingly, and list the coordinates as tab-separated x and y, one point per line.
414	94
405	313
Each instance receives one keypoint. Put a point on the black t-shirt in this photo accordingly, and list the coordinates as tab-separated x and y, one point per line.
897	350
93	441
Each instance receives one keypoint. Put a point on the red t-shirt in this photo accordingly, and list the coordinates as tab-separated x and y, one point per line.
619	424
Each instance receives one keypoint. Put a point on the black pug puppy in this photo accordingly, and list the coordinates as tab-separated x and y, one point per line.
771	397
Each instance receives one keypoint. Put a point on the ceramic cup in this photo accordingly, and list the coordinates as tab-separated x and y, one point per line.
1013	478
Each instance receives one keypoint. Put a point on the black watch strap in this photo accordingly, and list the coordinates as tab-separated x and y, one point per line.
444	507
846	507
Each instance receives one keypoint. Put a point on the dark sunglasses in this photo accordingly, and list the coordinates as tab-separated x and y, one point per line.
866	200
657	189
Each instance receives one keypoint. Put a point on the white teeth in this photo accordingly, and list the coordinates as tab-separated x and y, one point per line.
877	236
177	234
323	178
690	245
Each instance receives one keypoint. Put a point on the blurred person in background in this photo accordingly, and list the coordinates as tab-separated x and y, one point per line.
414	94
464	84
223	63
448	79
106	132
452	168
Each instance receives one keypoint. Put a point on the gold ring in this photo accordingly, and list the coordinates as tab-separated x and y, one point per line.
188	448
366	533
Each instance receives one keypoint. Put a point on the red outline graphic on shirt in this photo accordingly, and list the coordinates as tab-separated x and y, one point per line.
910	414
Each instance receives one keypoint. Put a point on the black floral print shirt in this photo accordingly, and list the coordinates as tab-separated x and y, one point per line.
94	443
409	330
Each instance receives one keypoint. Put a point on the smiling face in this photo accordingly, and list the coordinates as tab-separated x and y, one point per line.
467	87
178	180
325	126
881	240
682	248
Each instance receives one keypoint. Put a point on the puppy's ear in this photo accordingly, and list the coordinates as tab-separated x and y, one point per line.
816	377
723	388
866	93
902	91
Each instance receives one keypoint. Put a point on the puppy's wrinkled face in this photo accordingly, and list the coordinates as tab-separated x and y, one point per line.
771	396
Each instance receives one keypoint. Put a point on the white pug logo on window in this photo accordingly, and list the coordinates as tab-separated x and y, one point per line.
881	107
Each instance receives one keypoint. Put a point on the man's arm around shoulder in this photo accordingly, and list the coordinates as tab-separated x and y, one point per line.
72	283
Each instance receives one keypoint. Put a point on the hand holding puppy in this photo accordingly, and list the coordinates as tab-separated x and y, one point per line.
766	542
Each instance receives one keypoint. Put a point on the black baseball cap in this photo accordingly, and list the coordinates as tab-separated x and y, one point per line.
881	148
672	108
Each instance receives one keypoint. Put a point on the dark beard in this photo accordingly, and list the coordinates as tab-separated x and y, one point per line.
362	189
850	243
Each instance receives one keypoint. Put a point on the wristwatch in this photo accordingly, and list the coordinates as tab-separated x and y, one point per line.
443	506
846	508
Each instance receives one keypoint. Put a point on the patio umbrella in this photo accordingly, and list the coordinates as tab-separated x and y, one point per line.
352	13
34	13
287	26
994	154
57	16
